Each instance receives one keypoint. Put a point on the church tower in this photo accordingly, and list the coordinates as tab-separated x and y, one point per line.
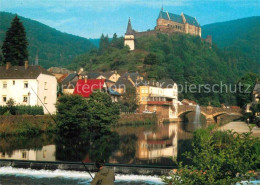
129	36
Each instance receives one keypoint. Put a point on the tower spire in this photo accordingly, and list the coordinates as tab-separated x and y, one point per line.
129	30
162	6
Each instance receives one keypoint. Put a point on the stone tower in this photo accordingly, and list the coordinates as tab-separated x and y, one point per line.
129	36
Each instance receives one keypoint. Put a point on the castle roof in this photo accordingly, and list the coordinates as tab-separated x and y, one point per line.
191	20
178	18
129	30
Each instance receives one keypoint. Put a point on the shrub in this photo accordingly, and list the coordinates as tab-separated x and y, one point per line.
22	110
218	158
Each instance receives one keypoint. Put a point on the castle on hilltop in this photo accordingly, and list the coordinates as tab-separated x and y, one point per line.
167	23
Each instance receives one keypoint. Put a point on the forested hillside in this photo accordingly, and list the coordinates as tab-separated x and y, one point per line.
242	35
54	48
186	59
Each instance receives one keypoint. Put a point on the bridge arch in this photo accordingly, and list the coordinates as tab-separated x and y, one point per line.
182	113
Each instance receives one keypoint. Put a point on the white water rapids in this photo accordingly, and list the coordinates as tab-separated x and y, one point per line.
37	174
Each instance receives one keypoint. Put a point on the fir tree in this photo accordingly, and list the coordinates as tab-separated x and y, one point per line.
15	44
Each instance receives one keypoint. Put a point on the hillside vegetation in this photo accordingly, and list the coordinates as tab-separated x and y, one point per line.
184	58
54	48
242	35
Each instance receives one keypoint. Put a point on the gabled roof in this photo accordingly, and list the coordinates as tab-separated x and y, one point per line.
69	78
123	82
108	74
173	17
191	20
85	89
129	30
113	92
19	72
178	18
134	76
91	75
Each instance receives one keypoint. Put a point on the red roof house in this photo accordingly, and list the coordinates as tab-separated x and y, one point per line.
86	87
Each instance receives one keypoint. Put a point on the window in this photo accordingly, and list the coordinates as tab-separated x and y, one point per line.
25	99
3	154
23	155
45	86
25	85
4	98
4	85
13	82
45	100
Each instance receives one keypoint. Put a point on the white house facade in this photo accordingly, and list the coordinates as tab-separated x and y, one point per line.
28	85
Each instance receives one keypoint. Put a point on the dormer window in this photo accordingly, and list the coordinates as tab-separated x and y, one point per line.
4	85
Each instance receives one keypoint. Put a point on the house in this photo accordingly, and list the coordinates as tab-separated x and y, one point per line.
28	85
69	83
85	87
255	97
127	80
112	76
160	97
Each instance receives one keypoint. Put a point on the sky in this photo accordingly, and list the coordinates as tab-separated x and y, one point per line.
91	18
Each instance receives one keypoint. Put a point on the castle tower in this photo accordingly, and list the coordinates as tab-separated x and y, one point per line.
129	36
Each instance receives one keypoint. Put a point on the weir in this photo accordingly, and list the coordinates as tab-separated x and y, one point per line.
77	166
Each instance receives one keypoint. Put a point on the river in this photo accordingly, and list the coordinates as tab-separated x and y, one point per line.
146	145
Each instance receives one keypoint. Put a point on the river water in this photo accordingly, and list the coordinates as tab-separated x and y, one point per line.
147	145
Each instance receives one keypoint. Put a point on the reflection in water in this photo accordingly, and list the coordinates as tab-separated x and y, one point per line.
157	145
47	153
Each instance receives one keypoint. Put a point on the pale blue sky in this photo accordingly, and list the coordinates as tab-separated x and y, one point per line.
91	18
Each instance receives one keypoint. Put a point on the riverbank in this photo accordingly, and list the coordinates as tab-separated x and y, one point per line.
240	127
29	125
26	125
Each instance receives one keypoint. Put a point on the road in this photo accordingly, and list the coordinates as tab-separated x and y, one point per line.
240	127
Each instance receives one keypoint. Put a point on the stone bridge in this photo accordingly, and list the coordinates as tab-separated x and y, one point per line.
210	113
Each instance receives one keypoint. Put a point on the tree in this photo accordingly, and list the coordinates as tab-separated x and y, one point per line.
103	113
218	157
129	102
103	43
151	59
72	115
14	47
245	87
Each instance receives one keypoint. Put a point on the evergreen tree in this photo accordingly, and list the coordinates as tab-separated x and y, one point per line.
103	43
15	44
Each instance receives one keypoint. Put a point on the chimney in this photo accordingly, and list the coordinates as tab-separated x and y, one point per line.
8	65
26	64
80	70
86	78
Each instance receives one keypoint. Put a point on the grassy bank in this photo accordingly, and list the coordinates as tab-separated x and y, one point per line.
137	119
26	125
